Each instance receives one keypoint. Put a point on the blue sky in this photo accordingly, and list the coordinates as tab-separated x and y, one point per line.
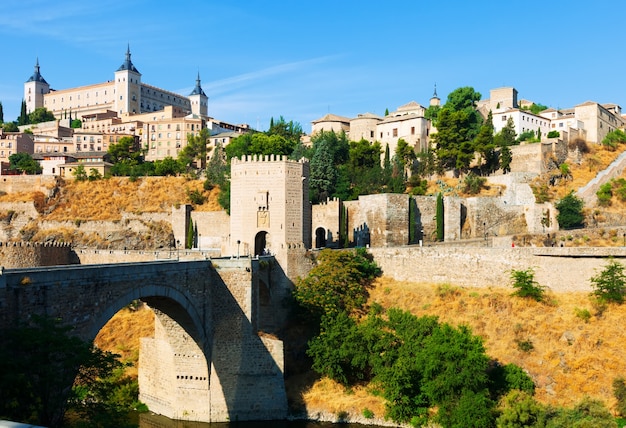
302	60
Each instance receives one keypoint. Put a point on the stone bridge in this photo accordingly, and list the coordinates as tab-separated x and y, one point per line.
206	362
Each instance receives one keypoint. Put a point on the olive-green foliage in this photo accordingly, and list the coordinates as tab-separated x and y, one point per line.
605	194
554	134
80	174
610	284
506	377
519	409
614	139
40	361
570	209
416	363
588	413
619	391
24	162
525	284
472	184
339	282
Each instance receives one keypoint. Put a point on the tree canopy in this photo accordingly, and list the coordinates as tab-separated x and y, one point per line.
24	162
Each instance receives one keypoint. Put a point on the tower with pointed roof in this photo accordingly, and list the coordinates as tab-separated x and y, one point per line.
34	90
199	100
434	100
127	87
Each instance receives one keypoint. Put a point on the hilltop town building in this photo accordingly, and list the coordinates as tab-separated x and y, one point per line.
126	93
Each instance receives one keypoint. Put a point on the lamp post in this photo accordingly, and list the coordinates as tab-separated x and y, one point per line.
199	242
178	249
238	242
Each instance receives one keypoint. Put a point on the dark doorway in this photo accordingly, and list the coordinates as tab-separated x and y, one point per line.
320	237
260	244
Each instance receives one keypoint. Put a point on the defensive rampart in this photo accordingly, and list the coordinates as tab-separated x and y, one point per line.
560	269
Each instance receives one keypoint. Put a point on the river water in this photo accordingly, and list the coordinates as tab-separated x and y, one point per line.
155	421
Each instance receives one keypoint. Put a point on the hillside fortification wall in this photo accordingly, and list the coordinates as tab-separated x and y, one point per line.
560	269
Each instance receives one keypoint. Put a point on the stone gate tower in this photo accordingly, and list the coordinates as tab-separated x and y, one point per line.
269	204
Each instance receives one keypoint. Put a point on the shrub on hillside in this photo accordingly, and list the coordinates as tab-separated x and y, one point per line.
525	285
610	284
570	214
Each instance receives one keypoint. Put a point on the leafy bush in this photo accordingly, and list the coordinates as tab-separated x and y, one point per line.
605	194
570	209
554	134
619	392
339	282
519	409
526	286
473	184
196	197
610	284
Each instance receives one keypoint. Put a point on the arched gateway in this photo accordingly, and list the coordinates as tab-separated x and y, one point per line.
206	361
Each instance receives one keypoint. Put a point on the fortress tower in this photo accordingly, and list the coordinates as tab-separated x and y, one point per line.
127	87
34	90
199	100
269	208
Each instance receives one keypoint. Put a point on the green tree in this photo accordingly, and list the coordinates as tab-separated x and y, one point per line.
124	151
610	284
76	124
337	349
439	217
1	113
80	174
507	135
506	157
484	144
196	149
168	166
519	409
363	168
291	131
40	114
217	170
94	175
586	413
23	117
24	163
570	209
10	127
39	361
614	139
323	176
339	282
525	284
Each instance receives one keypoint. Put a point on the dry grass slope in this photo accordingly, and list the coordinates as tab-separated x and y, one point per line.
108	199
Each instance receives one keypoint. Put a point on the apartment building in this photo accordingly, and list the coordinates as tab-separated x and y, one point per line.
15	142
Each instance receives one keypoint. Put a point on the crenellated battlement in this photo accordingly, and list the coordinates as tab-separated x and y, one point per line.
19	254
26	244
267	158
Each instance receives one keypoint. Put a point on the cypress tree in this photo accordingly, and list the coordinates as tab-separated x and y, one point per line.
23	119
439	216
1	113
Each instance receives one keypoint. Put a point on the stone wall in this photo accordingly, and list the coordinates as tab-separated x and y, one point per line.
379	220
559	269
325	220
28	184
213	231
26	254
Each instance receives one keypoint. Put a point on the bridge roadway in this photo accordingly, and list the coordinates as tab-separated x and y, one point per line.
206	361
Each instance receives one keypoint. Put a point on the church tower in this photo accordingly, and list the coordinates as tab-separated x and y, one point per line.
199	100
34	90
127	87
434	100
